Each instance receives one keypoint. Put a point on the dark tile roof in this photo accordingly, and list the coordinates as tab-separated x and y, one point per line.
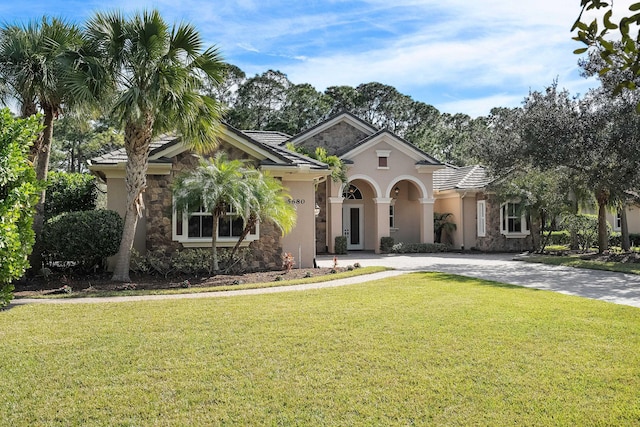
272	138
462	178
120	155
260	139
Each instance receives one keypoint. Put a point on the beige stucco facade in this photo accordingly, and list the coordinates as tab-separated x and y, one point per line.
388	197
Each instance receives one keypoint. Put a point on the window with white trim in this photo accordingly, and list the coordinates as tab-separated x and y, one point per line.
197	227
513	222
383	158
482	218
392	216
617	222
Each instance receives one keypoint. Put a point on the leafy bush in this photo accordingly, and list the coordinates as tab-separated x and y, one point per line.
188	261
70	192
635	239
585	227
341	245
19	194
615	239
562	237
386	244
86	238
419	248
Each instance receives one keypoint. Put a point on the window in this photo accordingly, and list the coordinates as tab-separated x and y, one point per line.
199	227
352	193
482	218
392	216
617	222
383	158
513	222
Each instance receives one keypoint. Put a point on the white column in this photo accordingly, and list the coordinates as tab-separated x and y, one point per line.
334	222
382	220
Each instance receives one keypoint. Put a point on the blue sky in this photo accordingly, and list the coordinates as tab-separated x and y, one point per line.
460	56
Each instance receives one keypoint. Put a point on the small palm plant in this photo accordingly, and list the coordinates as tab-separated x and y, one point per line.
217	185
443	227
265	200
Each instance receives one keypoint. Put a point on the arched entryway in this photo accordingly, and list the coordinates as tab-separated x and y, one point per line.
406	210
358	214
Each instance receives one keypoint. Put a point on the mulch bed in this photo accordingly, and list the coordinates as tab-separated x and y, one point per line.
60	282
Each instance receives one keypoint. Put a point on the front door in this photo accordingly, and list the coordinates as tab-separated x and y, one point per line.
353	226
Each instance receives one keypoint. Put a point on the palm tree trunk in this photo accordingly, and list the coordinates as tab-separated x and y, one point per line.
251	222
42	168
603	237
138	138
214	244
624	229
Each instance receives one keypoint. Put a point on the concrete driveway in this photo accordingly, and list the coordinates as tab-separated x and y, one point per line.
618	288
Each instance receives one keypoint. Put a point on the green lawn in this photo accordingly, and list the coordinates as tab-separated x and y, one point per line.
417	349
575	261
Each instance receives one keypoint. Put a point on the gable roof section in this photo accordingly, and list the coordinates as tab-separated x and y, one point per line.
255	143
461	178
401	144
344	116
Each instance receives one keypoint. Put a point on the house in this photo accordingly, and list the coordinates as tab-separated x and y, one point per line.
393	190
390	190
163	228
482	221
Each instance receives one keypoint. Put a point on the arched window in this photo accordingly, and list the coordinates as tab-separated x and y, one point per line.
352	193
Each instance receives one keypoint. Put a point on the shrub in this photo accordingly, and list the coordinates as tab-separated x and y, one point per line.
562	237
386	244
70	192
585	227
188	261
341	245
86	238
635	239
19	194
422	248
615	239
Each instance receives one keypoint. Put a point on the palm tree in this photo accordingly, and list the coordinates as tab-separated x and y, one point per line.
32	67
153	76
218	186
265	200
443	227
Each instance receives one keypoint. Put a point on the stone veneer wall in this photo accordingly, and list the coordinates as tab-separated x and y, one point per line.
266	253
494	240
321	220
336	138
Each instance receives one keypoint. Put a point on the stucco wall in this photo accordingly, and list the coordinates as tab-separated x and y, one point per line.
451	204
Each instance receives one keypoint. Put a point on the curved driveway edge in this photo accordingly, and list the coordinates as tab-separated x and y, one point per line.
607	286
619	288
215	294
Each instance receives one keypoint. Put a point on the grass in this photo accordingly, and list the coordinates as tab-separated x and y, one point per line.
575	261
198	289
423	348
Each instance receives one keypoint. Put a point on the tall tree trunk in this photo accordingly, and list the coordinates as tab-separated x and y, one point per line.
137	140
624	229
214	243
603	237
251	222
42	168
